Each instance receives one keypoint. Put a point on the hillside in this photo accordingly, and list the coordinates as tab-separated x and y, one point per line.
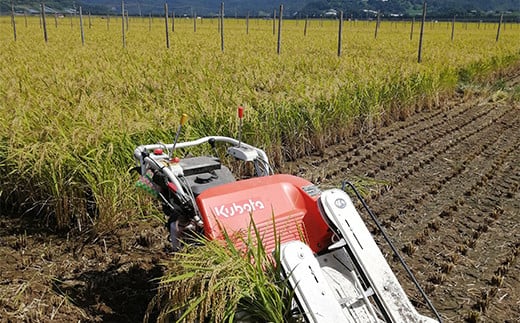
438	8
32	6
292	8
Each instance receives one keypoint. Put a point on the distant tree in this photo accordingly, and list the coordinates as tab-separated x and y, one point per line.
315	8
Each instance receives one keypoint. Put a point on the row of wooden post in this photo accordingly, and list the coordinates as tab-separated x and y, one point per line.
124	26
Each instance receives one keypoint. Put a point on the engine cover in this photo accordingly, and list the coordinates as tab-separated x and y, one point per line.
288	200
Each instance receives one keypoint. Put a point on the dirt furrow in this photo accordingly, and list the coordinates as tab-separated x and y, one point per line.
468	176
435	167
454	258
496	251
438	241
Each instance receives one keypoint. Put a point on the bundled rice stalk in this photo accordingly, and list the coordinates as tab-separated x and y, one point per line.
216	281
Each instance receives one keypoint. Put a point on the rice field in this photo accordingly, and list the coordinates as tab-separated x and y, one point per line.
71	113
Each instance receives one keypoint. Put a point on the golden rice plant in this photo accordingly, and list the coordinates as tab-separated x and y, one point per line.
249	279
71	114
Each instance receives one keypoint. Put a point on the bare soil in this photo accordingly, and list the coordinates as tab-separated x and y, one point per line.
444	182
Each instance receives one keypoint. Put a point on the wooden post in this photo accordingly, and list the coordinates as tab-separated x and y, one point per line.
167	25
340	32
42	5
13	22
279	43
25	18
56	20
377	24
123	22
222	26
150	22
305	26
499	25
247	23
453	28
419	58
89	21
81	26
194	22
411	29
108	22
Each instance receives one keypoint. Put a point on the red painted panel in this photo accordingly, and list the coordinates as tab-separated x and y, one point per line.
295	212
